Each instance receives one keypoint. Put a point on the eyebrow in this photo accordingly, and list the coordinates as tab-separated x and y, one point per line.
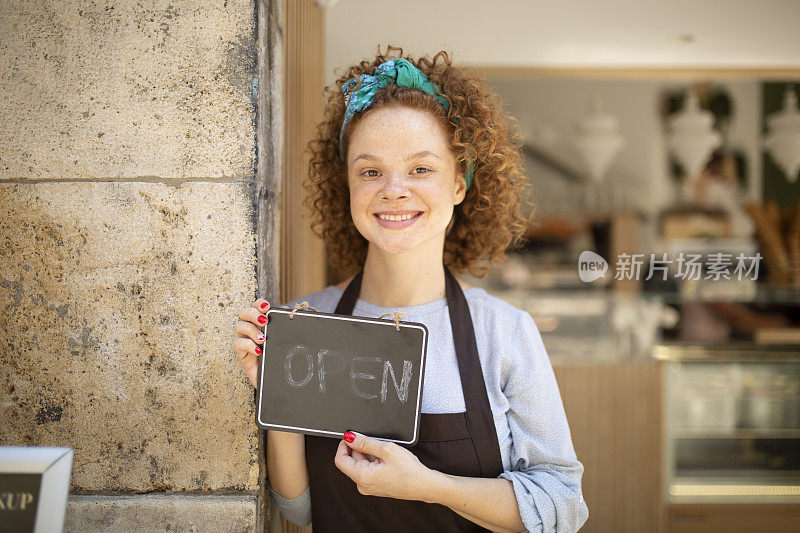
418	154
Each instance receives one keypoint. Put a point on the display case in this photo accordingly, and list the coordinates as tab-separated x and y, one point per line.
732	419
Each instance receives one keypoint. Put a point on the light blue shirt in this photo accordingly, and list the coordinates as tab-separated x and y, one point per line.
532	430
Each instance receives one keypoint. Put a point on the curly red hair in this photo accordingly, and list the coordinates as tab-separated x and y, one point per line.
486	223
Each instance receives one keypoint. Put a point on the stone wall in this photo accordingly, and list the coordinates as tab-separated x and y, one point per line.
128	192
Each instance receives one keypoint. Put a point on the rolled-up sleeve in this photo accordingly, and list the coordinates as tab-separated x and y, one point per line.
295	510
545	471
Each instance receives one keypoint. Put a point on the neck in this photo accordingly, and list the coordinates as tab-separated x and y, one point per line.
402	280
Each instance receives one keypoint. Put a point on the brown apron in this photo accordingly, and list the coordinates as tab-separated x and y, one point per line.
461	444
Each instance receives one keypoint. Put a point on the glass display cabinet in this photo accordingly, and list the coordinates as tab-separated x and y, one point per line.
732	419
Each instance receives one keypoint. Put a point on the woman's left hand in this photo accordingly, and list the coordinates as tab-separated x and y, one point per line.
381	468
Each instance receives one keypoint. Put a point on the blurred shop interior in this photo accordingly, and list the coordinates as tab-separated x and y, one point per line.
666	171
665	139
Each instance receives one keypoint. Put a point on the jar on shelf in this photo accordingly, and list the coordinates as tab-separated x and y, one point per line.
762	399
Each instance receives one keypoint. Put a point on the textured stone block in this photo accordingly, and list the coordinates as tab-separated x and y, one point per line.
118	306
161	512
127	89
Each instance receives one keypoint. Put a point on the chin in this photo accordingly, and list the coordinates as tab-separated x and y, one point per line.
400	246
394	247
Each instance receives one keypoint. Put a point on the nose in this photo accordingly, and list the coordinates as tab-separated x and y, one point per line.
394	186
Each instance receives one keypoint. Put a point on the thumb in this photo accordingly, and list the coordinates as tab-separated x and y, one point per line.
364	444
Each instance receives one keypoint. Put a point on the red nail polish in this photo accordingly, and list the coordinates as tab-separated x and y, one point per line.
262	319
264	305
349	436
258	350
260	337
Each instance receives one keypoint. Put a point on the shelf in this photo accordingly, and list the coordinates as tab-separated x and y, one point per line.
762	295
733	431
680	489
726	353
737	434
756	486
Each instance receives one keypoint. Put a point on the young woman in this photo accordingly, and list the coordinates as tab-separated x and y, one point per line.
414	177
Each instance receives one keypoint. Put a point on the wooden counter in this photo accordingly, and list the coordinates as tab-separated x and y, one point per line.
614	413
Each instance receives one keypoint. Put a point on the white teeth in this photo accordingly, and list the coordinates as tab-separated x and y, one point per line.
397	217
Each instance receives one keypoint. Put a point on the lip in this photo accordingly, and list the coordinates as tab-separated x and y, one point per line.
406	212
397	224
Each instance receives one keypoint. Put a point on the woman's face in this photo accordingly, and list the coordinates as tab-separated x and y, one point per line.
399	163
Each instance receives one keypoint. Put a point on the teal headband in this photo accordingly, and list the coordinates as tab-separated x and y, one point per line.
403	74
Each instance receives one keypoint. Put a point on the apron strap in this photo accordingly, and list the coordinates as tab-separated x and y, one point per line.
348	300
469	364
479	411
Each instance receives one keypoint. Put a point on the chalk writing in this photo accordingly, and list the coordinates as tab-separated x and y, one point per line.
361	375
402	390
324	369
329	362
287	365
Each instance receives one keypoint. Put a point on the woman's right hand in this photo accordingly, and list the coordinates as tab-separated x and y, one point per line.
249	337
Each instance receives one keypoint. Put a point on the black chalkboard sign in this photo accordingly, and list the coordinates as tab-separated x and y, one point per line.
324	373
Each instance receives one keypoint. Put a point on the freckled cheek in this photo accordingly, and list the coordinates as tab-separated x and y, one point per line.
361	203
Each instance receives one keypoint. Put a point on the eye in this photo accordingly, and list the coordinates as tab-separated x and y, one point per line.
367	173
423	169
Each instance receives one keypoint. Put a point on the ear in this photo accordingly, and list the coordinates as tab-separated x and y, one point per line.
460	191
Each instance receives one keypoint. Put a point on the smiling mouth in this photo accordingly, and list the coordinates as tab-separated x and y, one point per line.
397	218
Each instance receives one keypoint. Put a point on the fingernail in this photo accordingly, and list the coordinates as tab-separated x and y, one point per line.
349	436
262	319
258	350
264	305
260	337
